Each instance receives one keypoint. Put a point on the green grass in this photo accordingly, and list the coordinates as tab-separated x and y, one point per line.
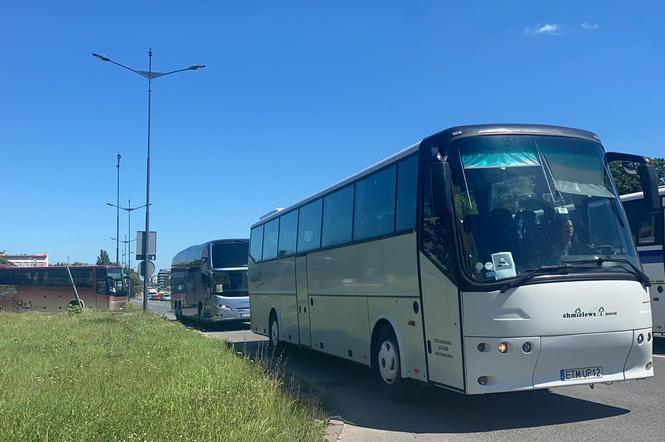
109	376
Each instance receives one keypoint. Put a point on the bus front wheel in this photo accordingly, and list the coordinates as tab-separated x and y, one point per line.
387	364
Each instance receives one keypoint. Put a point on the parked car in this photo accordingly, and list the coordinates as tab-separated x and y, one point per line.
152	294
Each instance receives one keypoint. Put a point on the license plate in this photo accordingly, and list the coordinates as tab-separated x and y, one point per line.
573	374
244	315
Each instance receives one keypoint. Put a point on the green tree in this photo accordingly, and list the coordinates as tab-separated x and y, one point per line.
627	183
3	260
137	284
103	258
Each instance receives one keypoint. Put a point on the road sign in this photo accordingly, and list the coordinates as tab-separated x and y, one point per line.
152	245
151	268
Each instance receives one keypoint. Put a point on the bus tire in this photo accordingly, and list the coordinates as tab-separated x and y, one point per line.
75	306
387	364
273	331
199	317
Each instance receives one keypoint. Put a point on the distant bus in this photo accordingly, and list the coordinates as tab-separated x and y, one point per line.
482	259
209	282
48	289
648	232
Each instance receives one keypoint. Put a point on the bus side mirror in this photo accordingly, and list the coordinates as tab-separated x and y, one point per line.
649	182
441	187
647	174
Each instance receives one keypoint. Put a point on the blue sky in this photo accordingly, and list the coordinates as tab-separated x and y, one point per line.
295	96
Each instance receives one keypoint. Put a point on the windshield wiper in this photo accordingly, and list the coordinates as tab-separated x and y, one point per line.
574	265
639	274
560	269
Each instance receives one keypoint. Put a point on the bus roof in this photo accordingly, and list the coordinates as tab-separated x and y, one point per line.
186	254
453	132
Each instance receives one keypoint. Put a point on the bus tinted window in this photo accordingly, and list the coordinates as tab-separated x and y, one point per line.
6	277
256	243
643	225
228	255
407	180
178	278
337	217
82	277
270	232
309	226
26	277
55	278
375	205
288	225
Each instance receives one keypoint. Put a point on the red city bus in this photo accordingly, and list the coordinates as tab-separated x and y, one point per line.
48	289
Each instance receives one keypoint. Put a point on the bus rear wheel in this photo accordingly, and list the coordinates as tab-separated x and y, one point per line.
387	364
273	329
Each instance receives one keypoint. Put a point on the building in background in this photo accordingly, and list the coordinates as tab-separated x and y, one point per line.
164	278
34	260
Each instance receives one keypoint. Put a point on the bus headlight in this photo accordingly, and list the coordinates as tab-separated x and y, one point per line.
482	380
649	365
503	347
640	338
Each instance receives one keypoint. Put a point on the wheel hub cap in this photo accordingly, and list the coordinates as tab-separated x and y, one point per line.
388	362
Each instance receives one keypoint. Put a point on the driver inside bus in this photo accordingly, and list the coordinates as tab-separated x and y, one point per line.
566	243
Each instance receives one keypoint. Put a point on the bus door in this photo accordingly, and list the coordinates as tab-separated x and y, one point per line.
303	301
654	266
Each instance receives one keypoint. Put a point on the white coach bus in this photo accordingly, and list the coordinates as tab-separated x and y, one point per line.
648	231
482	259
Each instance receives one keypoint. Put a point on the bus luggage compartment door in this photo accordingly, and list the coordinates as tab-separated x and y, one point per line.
657	293
302	297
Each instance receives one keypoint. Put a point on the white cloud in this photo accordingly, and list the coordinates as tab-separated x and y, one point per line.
590	26
546	29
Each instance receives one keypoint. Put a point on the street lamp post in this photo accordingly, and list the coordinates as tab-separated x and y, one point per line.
117	215
149	75
129	209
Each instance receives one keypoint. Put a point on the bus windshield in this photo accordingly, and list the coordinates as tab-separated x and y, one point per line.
116	283
527	202
230	255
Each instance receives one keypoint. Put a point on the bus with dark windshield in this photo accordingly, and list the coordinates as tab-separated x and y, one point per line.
209	282
482	259
49	289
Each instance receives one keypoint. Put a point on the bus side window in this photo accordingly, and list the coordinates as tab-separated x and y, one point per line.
56	278
407	184
437	239
101	287
256	243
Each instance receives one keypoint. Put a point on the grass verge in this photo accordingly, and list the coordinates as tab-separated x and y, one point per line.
109	376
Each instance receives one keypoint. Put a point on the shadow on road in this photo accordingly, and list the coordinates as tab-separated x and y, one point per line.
350	393
216	326
659	346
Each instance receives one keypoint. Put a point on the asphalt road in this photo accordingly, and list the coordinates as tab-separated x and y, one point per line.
632	410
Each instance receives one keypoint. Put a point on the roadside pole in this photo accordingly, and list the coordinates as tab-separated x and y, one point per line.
76	292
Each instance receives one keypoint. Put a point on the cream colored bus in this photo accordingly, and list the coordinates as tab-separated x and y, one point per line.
482	259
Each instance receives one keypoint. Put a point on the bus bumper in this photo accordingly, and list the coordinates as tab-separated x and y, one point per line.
231	314
554	361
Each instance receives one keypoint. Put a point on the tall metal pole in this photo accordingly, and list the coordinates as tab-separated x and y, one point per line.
117	217
129	247
147	193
